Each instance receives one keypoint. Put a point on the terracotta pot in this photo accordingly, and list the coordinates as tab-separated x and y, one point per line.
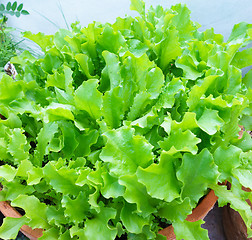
198	213
9	211
233	224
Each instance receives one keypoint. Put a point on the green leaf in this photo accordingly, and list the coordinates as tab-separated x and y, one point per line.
85	141
166	98
51	233
20	7
9	89
112	109
244	176
113	68
51	62
2	7
8	6
88	98
56	111
197	173
131	220
210	122
11	226
190	230
27	170
24	12
111	40
179	141
14	6
98	226
86	64
182	22
240	35
70	142
44	137
176	210
136	193
227	159
18	146
190	69
198	91
124	152
141	100
111	187
77	209
138	5
168	49
44	41
62	180
35	211
160	179
247	79
7	172
243	59
236	200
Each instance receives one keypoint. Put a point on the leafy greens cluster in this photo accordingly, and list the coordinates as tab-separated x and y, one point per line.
119	127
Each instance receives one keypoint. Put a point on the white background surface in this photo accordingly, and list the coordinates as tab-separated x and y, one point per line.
219	14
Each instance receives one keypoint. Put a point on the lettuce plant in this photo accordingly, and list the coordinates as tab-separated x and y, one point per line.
120	129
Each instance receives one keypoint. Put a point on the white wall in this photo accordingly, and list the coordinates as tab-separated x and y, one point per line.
220	14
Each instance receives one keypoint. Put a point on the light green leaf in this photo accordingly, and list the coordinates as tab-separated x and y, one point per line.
76	209
141	100
179	141
7	172
44	137
190	230
188	122
112	109
111	40
113	68
111	187
244	176
18	146
88	98
11	226
197	91
35	211
168	49
243	59
240	35
247	79
44	41
160	179
136	193
166	98
85	141
52	234
70	142
190	69
27	170
138	5
57	111
210	122
197	173
86	64
98	227
124	152
10	89
227	159
62	180
131	220
176	210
